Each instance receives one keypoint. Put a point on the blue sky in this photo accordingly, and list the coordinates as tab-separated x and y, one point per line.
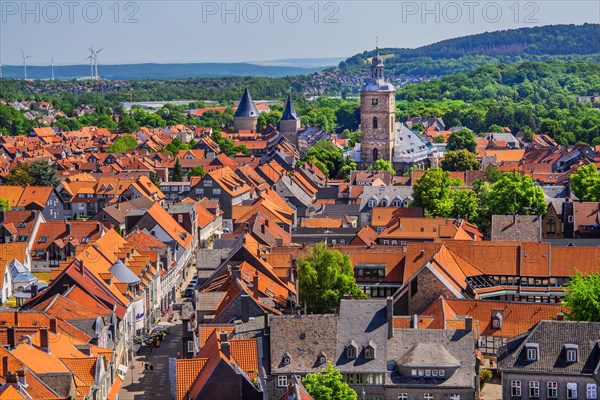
215	31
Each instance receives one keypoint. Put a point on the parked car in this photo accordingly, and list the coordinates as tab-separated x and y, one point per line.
189	292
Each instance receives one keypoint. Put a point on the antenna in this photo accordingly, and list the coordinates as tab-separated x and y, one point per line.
24	63
52	66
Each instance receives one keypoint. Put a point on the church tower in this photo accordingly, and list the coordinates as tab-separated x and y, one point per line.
246	115
290	123
377	116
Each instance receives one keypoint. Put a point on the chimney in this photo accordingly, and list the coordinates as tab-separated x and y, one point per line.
226	350
223	336
245	308
34	290
255	285
16	318
560	316
2	216
235	272
44	341
390	316
267	223
5	366
12	378
262	228
68	228
468	324
414	322
21	377
53	327
10	333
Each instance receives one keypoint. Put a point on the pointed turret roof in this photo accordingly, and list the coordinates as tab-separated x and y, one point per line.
289	114
246	108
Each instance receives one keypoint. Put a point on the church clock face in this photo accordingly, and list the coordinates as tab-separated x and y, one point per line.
374	102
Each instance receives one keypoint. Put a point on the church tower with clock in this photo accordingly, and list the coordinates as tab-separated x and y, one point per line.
377	116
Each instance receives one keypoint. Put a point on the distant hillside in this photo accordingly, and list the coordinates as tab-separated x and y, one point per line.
158	71
562	42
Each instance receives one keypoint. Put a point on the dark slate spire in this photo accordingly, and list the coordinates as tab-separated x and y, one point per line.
246	108
289	114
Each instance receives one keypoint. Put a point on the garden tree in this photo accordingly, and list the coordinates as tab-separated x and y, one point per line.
353	137
347	116
176	145
459	160
154	178
463	139
586	183
495	128
171	115
266	119
465	204
515	193
196	171
344	172
432	193
439	139
328	385
177	172
582	297
128	124
328	154
324	277
19	176
4	205
67	124
13	122
227	145
320	117
123	144
382	165
42	173
492	174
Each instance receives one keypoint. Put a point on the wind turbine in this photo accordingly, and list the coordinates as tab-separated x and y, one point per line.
0	71
91	58
24	63
52	66
96	62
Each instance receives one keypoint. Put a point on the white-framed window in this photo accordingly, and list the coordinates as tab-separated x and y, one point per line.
442	372
217	191
282	381
190	346
552	390
350	352
571	390
434	372
496	323
403	396
386	242
455	397
534	389
397	203
421	372
591	391
369	353
199	191
413	372
515	388
427	396
180	218
342	241
428	373
572	355
208	182
532	354
372	203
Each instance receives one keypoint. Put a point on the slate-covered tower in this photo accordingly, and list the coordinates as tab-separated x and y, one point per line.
290	123
377	116
246	115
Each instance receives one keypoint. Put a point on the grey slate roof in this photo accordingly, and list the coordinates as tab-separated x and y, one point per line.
302	338
551	337
246	108
362	321
390	193
123	274
519	227
289	114
434	348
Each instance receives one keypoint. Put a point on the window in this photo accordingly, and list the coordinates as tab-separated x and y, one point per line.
374	102
208	182
384	203
199	191
403	396
351	352
571	390
372	203
375	123
375	155
455	397
322	359
397	203
572	355
442	372
217	191
515	388
190	347
428	373
434	372
180	218
550	227
592	391
570	219
43	239
427	396
534	389
552	391
413	372
369	353
531	353
282	381
286	360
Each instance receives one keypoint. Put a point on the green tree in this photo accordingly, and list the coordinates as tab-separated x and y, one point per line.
4	205
516	193
495	128
328	154
122	144
465	204
432	193
382	165
154	178
586	183
328	385
177	172
581	297
463	139
324	277
196	171
439	139
42	173
19	176
128	124
459	160
270	118
344	172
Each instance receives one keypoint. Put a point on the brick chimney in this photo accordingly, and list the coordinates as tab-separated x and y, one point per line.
10	333
21	377
11	378
255	285
44	340
468	324
245	308
53	327
5	366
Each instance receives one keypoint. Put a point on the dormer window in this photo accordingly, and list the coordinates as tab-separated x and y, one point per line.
322	358
571	352
497	318
286	359
532	351
351	350
370	350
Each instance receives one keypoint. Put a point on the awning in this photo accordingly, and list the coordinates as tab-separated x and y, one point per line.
122	369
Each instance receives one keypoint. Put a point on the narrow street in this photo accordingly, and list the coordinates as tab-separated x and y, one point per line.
145	384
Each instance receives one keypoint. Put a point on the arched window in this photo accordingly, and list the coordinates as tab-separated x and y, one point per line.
375	155
550	226
397	203
384	203
374	122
